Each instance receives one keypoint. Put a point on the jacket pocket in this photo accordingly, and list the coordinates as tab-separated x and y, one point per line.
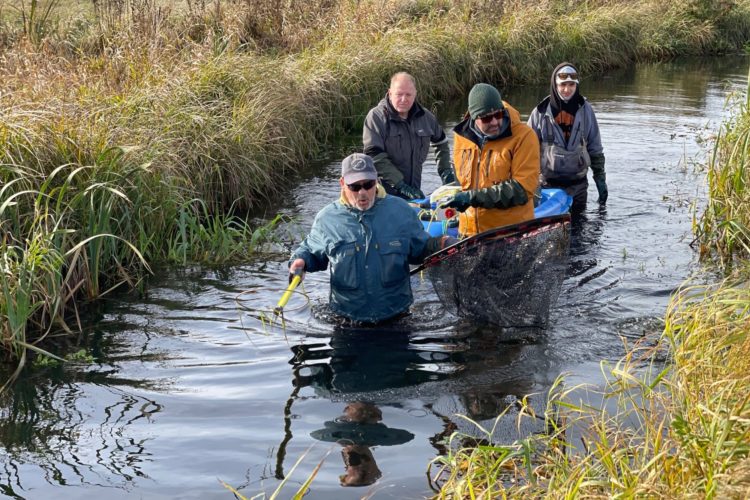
343	258
394	268
423	146
559	163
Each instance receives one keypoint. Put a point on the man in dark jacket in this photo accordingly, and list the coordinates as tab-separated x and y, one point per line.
398	133
369	239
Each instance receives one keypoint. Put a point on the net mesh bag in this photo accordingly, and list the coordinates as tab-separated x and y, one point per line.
508	276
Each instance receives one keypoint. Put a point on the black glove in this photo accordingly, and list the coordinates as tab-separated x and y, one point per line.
600	178
601	186
460	201
408	192
297	272
447	176
437	243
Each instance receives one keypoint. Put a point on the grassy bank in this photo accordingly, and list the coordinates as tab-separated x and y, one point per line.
674	418
724	228
130	131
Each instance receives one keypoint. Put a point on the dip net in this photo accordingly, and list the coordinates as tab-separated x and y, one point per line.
508	276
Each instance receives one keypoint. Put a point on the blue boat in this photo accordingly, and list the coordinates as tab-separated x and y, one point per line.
553	202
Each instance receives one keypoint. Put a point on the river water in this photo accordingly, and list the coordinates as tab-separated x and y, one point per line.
191	388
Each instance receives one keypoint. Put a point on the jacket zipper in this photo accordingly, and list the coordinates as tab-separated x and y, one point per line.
476	185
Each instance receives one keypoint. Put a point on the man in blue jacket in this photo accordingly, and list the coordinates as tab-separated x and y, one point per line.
369	239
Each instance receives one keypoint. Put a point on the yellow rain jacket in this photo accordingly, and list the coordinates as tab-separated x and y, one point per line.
512	155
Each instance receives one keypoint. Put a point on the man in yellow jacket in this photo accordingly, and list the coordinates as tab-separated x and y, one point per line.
496	160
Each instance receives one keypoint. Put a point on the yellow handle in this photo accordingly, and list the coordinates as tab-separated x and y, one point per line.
288	293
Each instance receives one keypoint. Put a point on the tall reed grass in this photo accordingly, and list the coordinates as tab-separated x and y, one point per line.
87	229
670	421
724	227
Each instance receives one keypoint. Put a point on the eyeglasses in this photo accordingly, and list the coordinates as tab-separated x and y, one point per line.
364	185
561	77
497	115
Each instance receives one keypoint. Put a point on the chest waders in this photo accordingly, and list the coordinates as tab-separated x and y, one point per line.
560	164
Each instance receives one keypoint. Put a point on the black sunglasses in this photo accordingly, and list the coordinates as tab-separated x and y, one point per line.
367	185
497	115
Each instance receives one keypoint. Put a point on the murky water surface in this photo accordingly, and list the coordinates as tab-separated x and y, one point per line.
191	389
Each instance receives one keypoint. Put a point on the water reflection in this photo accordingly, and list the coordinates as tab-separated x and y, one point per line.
48	426
358	429
471	372
377	363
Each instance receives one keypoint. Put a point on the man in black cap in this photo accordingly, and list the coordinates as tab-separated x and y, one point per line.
369	239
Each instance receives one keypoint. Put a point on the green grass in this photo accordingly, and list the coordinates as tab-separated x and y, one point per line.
673	429
724	227
86	230
132	134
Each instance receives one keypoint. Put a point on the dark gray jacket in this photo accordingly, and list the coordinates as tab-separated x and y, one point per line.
399	146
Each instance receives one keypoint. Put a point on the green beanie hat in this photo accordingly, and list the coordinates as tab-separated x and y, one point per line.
484	99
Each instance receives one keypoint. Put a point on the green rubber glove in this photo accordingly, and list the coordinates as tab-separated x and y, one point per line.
460	201
601	186
600	178
447	176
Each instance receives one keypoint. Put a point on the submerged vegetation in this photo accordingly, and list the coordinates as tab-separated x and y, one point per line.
673	418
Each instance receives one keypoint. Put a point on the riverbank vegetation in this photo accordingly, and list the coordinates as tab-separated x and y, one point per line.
673	418
132	133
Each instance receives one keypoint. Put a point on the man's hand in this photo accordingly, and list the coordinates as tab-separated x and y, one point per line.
408	192
448	241
297	267
460	201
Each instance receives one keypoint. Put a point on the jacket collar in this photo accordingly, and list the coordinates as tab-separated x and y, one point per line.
545	104
392	114
466	129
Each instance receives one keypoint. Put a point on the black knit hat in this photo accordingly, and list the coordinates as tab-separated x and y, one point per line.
484	99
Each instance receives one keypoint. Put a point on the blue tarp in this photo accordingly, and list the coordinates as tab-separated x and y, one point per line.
553	202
